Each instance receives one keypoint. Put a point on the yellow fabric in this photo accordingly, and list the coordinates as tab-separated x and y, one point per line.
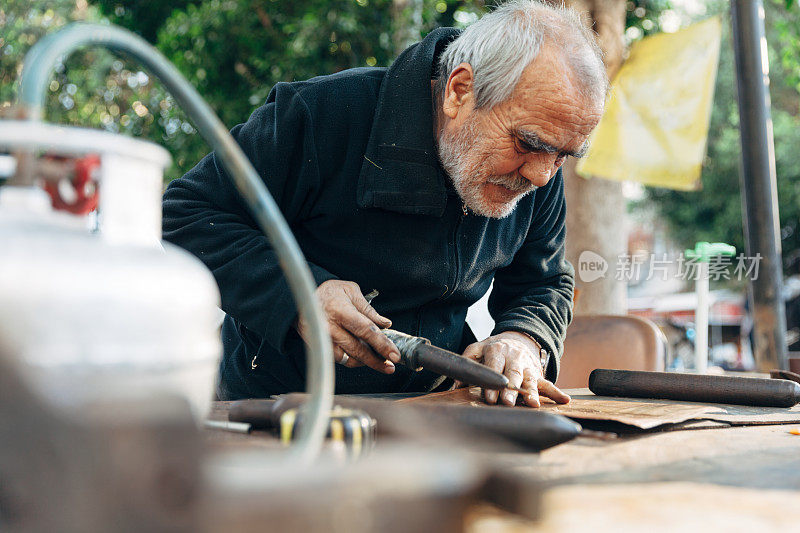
656	119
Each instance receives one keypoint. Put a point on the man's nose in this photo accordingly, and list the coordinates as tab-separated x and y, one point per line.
538	168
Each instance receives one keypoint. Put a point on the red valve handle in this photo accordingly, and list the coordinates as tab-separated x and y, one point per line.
84	185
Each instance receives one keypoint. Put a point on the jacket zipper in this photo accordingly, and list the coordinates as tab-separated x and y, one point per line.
449	290
456	259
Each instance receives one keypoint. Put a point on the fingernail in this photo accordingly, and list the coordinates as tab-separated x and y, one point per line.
395	356
388	366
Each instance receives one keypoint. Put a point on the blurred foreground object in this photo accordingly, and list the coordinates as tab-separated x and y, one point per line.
116	465
128	222
656	121
109	314
142	465
529	429
105	335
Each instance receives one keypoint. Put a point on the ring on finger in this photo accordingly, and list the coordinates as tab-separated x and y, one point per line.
344	359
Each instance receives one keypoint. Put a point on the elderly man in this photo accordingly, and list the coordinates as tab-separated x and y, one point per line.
427	181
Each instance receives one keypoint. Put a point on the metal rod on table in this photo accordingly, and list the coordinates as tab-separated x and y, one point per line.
759	188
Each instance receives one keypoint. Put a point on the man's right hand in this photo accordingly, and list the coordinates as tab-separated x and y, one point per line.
355	328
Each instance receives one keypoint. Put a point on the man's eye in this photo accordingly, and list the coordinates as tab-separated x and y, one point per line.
560	160
521	146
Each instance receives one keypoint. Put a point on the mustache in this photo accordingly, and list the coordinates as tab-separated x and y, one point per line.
512	183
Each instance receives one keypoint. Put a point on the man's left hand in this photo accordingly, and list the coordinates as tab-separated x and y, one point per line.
517	357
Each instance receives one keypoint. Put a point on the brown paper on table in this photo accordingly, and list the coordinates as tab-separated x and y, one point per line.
640	413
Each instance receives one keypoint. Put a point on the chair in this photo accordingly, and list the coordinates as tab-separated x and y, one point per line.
608	341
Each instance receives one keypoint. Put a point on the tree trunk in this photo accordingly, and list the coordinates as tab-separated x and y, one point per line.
407	23
595	207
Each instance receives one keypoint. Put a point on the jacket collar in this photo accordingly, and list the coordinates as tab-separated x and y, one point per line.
401	171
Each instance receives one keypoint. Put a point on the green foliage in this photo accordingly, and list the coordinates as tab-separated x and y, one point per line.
144	17
23	23
92	88
233	51
642	17
787	35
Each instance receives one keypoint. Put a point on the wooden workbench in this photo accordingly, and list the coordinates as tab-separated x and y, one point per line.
725	479
718	479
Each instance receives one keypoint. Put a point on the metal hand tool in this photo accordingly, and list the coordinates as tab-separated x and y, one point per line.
695	387
418	353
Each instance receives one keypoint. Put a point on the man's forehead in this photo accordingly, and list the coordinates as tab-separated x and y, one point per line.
549	90
553	109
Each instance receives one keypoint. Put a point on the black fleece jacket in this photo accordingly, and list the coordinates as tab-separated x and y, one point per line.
351	161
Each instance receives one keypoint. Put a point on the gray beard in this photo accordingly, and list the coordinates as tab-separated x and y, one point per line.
469	172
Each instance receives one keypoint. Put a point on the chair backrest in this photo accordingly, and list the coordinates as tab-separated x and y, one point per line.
609	341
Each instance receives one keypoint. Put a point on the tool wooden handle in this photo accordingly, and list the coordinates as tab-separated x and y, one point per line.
695	387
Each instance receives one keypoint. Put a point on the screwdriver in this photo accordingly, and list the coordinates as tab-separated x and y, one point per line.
418	353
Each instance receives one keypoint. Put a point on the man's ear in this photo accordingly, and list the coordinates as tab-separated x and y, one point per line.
458	91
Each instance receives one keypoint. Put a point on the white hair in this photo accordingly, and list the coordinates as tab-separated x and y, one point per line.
504	42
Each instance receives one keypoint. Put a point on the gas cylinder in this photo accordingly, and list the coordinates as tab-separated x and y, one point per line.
103	310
